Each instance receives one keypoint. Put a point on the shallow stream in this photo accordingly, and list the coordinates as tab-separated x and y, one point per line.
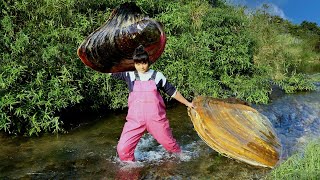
89	151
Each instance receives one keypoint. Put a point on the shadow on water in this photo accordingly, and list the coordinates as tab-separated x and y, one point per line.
89	151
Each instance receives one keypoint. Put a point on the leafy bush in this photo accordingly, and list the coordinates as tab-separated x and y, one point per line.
282	48
297	82
212	50
39	72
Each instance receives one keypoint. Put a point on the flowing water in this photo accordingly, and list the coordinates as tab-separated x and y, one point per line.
89	151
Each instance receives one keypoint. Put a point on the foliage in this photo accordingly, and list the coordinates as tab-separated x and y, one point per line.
212	49
218	55
282	47
295	83
39	72
284	54
304	165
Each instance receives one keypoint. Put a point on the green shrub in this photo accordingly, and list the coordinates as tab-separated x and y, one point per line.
282	48
296	83
209	52
39	72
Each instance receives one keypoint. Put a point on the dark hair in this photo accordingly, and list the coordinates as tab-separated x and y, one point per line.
140	55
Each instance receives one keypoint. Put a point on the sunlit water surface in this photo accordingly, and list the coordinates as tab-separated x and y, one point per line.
89	152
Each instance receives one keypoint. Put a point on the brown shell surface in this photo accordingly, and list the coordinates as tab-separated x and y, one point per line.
110	48
236	130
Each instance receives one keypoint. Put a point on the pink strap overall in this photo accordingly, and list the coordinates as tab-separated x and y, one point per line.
146	112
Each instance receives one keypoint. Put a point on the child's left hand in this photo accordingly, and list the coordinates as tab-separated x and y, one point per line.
190	105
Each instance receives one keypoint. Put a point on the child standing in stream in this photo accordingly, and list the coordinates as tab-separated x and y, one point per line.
146	107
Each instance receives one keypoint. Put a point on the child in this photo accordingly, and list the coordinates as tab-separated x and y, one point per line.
146	107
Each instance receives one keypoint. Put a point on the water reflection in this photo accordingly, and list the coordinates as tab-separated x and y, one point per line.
89	152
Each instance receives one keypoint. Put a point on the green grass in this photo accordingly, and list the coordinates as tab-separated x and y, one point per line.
305	165
315	77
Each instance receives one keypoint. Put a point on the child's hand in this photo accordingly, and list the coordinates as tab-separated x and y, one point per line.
190	105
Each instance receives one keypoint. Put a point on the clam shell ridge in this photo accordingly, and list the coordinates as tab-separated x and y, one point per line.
236	130
110	47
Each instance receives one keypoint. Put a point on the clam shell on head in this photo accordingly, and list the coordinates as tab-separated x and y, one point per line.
110	47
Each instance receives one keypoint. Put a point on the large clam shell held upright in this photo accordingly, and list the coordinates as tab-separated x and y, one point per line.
236	130
110	48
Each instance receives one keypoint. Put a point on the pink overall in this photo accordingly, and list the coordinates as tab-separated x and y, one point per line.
146	112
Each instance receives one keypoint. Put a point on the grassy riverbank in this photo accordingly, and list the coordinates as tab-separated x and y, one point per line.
303	165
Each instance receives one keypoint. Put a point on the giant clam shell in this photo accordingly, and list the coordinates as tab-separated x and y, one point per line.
110	48
236	130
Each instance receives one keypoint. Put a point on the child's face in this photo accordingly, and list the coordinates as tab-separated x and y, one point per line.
141	67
